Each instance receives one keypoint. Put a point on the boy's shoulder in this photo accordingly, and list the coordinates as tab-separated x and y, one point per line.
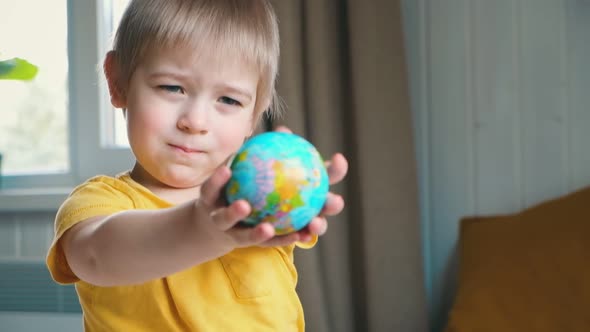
103	184
120	187
99	190
120	181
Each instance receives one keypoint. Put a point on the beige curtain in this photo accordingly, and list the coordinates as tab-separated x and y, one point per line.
343	79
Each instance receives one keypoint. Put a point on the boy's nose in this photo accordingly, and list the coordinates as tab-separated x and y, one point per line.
193	120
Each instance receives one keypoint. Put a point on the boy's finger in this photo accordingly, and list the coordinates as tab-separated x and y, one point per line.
211	189
318	226
281	240
227	217
334	205
283	129
337	168
248	236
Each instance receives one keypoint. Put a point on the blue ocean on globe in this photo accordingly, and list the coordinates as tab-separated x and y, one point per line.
284	179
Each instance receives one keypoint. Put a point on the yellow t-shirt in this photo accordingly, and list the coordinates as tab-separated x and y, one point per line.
249	289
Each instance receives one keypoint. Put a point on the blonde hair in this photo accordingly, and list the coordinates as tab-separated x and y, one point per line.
247	28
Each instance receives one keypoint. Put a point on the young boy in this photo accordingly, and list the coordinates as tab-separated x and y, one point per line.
156	248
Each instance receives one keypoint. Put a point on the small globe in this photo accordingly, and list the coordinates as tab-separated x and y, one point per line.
284	179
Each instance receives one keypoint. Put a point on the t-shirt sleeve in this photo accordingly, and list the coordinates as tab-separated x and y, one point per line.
91	199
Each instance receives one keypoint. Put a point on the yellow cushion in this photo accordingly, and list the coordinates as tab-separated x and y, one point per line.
527	272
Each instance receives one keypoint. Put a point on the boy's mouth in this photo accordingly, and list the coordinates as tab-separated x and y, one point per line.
186	149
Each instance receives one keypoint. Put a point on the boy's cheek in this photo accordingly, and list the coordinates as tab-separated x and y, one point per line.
234	137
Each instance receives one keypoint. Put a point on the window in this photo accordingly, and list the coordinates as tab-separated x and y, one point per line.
33	131
59	129
118	136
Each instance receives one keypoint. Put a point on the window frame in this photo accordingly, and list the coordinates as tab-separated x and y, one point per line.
89	110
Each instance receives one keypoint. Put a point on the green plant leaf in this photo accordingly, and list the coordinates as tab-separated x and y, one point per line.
17	69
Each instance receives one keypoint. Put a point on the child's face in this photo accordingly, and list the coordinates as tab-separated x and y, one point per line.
186	114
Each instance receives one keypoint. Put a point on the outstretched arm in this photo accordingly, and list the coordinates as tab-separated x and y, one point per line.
135	246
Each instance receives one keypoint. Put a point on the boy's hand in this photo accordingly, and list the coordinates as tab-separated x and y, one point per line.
225	228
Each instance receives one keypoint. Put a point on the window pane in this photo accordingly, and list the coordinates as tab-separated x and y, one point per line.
118	9
34	128
118	130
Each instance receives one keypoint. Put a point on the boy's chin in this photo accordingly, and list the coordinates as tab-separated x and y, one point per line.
184	182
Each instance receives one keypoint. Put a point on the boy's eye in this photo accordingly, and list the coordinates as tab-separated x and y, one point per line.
229	101
171	88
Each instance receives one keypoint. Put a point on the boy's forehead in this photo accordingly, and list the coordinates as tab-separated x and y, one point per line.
218	69
188	56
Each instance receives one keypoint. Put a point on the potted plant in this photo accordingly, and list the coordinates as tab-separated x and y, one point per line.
16	69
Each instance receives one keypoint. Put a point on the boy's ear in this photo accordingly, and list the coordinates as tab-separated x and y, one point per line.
112	74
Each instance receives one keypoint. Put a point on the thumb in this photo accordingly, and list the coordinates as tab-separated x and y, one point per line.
211	189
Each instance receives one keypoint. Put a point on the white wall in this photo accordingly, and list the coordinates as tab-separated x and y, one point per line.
501	101
25	237
34	322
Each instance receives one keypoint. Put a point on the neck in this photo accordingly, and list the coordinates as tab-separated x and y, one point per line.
165	192
177	196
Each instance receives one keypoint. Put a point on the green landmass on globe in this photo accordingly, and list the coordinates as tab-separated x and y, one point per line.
284	179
